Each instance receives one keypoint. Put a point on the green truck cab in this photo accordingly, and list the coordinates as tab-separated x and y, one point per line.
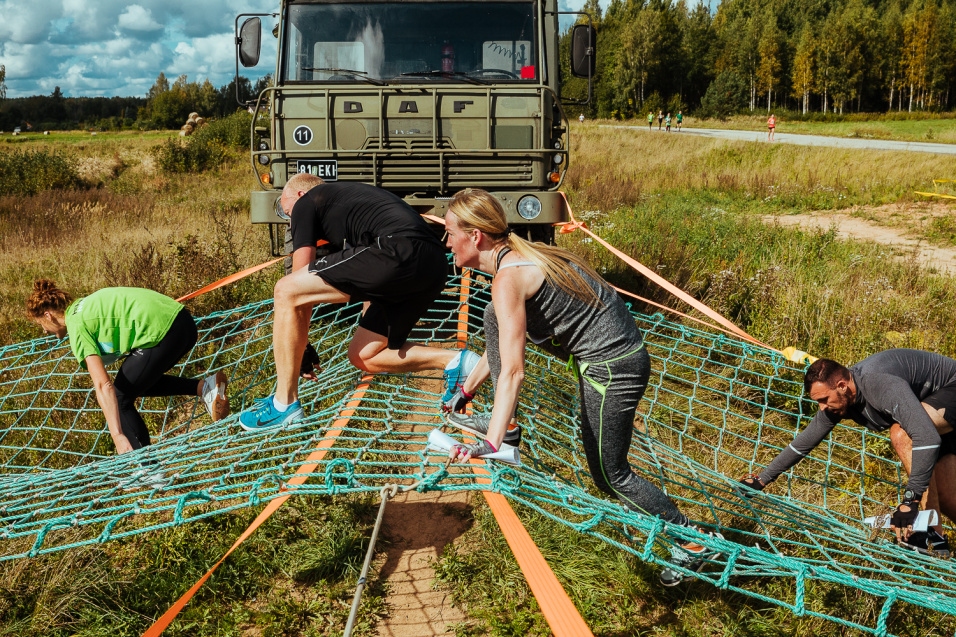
422	98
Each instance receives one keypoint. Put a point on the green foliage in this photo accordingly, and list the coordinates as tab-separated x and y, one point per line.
29	172
725	96
192	155
231	131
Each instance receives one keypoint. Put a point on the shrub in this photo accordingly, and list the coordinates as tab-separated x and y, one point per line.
196	154
231	131
33	171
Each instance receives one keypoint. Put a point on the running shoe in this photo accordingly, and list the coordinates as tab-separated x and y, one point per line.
690	556
928	543
266	416
477	424
214	396
456	376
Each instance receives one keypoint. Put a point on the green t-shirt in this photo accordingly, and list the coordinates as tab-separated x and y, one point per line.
112	322
680	118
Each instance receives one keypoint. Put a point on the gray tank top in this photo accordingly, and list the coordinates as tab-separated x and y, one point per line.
591	333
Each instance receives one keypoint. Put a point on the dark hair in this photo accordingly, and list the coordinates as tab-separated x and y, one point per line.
825	371
47	297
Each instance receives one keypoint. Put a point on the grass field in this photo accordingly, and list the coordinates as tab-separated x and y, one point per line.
688	207
896	127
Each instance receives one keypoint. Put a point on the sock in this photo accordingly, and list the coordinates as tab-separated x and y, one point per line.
455	362
279	406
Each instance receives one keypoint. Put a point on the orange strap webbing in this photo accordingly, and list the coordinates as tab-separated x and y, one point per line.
301	476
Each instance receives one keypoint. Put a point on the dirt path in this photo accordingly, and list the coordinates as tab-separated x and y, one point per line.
898	226
418	526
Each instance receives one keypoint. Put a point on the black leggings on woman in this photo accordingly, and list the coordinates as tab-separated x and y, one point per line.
610	392
143	373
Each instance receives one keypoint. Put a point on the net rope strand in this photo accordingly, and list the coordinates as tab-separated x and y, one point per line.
716	406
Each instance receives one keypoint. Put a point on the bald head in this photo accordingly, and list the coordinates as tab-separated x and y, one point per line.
298	185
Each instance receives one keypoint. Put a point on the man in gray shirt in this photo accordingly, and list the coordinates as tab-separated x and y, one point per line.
908	392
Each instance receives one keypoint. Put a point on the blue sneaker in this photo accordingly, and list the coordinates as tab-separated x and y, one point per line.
455	377
264	415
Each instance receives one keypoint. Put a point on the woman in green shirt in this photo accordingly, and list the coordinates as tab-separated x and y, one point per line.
150	331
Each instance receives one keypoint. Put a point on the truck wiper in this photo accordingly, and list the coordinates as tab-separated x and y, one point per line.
361	75
457	74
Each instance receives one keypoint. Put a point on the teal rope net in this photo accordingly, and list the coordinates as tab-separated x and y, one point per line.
716	408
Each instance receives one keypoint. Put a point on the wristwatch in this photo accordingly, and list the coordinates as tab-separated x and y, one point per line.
909	496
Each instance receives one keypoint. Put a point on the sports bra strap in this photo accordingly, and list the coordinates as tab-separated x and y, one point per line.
514	264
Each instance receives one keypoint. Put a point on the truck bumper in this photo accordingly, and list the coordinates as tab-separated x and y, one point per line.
553	206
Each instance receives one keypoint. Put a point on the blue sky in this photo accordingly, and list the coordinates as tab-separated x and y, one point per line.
108	47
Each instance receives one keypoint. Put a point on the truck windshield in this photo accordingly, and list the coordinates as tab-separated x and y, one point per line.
411	42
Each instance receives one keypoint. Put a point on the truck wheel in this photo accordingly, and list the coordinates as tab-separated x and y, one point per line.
287	263
543	233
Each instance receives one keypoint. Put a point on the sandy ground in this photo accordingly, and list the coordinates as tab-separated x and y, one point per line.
899	226
418	526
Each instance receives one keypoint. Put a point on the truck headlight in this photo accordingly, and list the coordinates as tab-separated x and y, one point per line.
529	207
279	211
264	159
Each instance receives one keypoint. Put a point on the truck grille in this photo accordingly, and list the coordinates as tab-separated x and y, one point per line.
425	171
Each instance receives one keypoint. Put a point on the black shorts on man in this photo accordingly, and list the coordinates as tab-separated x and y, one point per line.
387	254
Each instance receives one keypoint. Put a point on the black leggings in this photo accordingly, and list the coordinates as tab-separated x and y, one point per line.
610	392
143	373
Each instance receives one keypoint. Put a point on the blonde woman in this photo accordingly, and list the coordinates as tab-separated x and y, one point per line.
555	299
148	330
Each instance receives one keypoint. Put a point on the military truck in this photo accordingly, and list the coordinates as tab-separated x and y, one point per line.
422	98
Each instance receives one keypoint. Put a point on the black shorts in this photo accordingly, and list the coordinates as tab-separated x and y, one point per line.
399	276
945	399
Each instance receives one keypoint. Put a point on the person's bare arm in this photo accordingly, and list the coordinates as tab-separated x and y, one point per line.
303	257
106	397
508	296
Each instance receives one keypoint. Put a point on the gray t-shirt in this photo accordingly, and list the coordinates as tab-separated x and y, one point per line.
891	386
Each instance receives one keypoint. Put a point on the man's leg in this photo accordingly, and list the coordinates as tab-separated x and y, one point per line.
903	445
369	352
295	295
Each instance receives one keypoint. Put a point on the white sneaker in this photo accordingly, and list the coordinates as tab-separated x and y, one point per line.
214	396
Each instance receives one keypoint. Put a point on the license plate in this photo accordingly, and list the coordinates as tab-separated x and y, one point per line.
327	169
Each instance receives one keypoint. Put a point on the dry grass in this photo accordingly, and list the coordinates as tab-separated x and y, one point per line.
612	167
134	226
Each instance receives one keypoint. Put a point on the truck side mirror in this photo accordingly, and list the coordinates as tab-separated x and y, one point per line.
583	49
250	35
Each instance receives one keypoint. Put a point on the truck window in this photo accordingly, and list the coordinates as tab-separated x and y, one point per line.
410	42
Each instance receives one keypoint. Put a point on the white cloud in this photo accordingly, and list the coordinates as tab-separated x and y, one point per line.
138	18
109	47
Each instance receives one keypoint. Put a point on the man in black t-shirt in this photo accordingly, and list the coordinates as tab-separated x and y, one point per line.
384	254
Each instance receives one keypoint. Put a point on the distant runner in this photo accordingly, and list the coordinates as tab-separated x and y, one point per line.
667	122
771	124
912	394
650	121
680	120
660	119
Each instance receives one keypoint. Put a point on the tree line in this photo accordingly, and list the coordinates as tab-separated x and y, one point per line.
166	105
824	56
